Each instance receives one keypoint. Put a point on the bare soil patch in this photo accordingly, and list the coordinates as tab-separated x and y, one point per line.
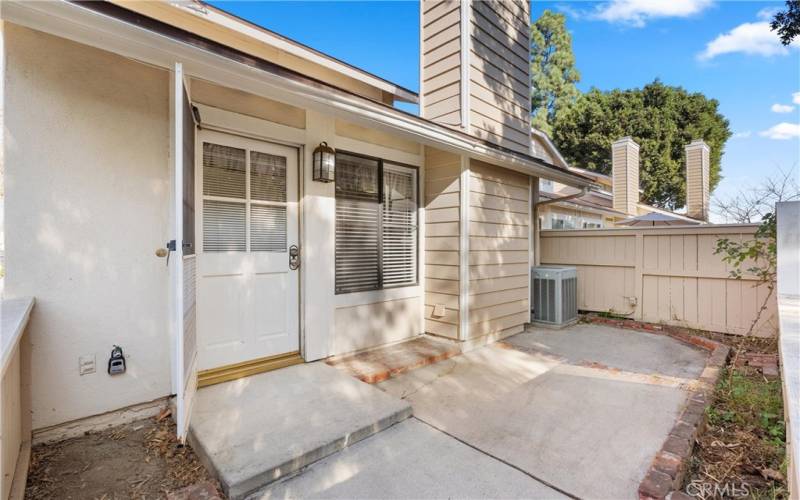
141	460
742	451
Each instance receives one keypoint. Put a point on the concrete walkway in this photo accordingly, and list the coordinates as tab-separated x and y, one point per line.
410	460
255	430
580	412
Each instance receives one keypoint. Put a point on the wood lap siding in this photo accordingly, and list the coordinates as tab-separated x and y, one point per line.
442	233
500	74
498	227
441	62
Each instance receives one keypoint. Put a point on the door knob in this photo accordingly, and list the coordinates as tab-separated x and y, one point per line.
161	252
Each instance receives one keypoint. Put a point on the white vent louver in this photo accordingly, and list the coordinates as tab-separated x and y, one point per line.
555	294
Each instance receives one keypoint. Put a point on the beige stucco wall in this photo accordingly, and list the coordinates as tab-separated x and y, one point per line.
88	184
247	104
368	325
87	181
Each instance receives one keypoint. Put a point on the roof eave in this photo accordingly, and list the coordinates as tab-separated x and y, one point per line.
246	29
116	29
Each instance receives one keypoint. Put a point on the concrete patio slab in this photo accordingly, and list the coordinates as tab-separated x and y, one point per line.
258	429
409	460
614	347
580	430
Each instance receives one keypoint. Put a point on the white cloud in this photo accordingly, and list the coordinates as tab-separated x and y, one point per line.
767	13
796	98
570	11
638	12
742	135
748	38
782	131
781	108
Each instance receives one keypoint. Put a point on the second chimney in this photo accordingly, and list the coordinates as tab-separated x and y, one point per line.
698	158
625	175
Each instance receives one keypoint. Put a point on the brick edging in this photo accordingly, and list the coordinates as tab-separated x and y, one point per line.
681	333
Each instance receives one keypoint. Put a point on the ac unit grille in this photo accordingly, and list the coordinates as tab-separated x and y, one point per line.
555	294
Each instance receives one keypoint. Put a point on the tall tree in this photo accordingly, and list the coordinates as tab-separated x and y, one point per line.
553	73
661	118
787	22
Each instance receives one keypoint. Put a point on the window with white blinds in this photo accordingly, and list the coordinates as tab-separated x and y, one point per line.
244	200
399	225
376	224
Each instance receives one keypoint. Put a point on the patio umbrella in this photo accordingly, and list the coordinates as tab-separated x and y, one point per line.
655	219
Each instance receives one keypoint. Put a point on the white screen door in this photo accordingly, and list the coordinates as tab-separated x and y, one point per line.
247	291
182	258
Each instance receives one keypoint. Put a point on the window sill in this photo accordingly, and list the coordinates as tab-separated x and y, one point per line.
376	296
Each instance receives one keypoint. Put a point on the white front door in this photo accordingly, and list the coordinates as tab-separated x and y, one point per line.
247	292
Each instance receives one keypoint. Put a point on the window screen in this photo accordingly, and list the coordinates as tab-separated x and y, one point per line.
376	224
188	177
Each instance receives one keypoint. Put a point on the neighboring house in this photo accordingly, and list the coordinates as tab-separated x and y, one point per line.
606	207
130	126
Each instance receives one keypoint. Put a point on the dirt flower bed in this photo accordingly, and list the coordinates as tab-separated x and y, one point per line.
742	451
141	460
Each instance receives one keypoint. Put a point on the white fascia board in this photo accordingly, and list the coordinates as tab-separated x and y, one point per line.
582	171
546	138
73	22
220	18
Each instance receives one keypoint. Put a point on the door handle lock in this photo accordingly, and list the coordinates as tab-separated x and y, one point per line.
294	257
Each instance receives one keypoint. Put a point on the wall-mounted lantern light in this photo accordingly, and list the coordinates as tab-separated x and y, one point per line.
324	163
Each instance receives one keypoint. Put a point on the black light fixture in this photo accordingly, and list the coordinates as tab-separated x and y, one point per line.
324	163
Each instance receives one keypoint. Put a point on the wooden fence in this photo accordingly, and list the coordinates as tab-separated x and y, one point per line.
663	275
15	415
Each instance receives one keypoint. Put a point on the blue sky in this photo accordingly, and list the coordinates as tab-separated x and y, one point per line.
718	48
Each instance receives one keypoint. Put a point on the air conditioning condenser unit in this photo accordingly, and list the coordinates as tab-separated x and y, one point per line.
555	295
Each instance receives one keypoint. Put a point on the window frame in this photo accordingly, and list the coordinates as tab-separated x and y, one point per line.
247	201
381	162
566	219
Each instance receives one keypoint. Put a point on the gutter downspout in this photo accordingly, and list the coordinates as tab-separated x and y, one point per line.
583	192
536	206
